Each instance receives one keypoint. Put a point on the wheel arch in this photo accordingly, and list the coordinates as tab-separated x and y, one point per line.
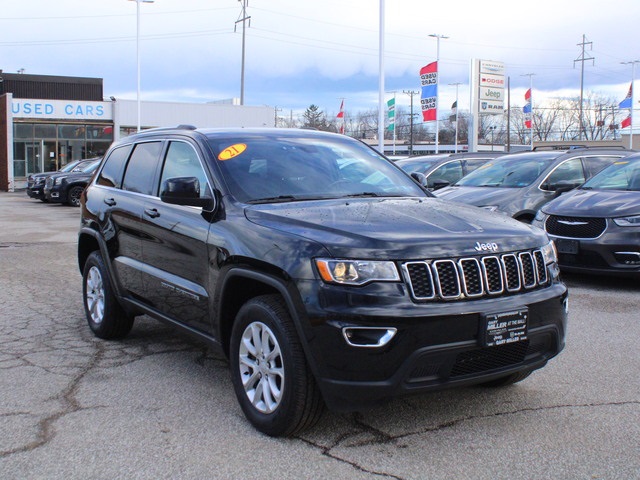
241	285
89	240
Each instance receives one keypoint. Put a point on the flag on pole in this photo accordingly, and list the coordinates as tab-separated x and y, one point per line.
341	116
626	122
626	103
454	111
391	114
429	97
527	109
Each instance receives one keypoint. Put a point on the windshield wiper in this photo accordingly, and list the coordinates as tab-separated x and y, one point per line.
278	199
365	194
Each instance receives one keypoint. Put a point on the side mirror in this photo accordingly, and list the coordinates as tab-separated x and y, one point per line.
420	179
561	186
183	191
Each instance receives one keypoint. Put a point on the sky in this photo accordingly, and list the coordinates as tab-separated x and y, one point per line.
299	53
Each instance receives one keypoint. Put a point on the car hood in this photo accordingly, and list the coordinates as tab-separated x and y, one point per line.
479	196
403	228
595	203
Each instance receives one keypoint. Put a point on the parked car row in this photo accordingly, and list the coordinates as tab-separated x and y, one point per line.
63	186
587	199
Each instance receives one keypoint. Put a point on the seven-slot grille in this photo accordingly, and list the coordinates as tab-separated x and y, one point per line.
475	277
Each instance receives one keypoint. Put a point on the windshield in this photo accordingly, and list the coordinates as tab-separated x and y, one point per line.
515	171
271	167
69	166
622	175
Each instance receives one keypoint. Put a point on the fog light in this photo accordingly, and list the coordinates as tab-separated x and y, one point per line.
371	337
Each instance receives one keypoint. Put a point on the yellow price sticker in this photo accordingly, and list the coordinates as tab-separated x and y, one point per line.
232	151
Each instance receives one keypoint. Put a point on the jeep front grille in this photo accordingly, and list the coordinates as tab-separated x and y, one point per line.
451	279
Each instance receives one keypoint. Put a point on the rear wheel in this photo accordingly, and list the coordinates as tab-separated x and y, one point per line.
270	375
73	197
106	318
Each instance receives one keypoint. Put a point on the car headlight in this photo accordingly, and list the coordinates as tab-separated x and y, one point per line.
549	253
633	221
356	272
59	180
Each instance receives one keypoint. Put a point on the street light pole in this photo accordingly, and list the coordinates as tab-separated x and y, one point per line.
633	75
437	37
138	51
457	84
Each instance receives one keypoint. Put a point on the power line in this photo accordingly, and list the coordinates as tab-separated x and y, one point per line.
583	58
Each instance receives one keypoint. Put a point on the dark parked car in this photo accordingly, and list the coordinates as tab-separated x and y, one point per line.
67	187
519	184
596	227
323	283
35	182
445	169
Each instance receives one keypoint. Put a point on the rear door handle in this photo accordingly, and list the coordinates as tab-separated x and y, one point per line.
110	201
152	212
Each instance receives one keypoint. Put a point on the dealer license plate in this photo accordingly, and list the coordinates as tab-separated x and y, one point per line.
505	327
567	246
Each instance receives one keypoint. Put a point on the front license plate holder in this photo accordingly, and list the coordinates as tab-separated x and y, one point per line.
504	327
567	246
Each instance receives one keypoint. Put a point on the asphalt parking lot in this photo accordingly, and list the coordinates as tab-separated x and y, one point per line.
159	405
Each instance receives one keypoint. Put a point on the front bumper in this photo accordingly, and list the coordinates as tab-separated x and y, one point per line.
36	192
436	346
56	193
615	252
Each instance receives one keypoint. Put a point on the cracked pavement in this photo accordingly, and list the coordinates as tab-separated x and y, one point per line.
159	405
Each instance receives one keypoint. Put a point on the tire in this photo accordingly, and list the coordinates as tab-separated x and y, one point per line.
73	197
106	317
277	391
508	380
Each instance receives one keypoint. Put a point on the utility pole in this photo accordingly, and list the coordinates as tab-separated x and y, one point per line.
411	94
582	58
437	37
243	18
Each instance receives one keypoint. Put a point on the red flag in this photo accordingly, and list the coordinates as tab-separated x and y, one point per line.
626	122
527	124
429	96
527	95
341	113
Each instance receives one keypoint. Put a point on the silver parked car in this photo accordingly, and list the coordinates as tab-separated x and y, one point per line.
519	184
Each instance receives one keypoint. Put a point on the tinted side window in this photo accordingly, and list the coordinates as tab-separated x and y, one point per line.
182	161
596	163
472	163
449	172
111	174
570	172
142	167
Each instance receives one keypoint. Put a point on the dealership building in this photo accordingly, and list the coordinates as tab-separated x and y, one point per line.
48	121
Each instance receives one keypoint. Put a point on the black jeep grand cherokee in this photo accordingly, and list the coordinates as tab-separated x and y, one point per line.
324	272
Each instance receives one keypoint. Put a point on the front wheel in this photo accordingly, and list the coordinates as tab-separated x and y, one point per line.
74	196
270	375
106	318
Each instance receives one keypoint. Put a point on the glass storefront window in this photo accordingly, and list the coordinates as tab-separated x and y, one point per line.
45	147
44	130
23	130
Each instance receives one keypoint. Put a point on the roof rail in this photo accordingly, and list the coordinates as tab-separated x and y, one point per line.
177	127
578	147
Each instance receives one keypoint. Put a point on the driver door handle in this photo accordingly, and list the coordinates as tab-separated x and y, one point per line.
152	212
110	201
